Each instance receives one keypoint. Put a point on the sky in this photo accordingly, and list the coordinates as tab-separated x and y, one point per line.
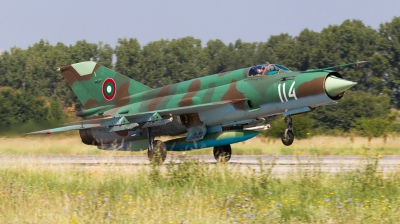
24	22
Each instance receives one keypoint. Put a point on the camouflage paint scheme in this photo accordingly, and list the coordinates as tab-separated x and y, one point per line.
118	109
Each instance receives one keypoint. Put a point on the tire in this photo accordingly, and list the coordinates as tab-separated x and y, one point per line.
159	152
289	139
222	153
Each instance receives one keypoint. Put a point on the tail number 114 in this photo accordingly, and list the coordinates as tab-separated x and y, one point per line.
291	93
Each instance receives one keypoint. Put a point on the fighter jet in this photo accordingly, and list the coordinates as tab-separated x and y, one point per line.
212	111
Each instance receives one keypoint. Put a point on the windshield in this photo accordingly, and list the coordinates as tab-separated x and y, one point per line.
270	69
281	67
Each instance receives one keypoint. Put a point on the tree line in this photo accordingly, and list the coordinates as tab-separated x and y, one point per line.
32	71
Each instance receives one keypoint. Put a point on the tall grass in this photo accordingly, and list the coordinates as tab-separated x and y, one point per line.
194	192
320	145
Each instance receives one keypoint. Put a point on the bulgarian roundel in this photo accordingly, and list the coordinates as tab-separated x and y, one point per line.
122	133
109	89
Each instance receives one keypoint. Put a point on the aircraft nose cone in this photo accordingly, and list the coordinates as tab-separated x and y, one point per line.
335	85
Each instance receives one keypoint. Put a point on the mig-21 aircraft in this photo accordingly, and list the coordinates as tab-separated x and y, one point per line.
215	111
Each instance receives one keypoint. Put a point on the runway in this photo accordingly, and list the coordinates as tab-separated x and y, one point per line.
280	164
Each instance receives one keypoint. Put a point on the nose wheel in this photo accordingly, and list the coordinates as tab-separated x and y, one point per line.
222	153
287	135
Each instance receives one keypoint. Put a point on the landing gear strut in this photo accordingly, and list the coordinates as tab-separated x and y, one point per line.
157	151
287	135
222	153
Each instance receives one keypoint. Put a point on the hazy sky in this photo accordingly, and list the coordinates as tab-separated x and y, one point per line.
25	22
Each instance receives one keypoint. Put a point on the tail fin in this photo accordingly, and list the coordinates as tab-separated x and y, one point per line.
96	85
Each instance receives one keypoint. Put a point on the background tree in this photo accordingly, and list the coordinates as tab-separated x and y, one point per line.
19	106
153	65
244	55
105	55
373	127
83	51
30	74
389	52
12	69
128	53
354	105
306	52
184	60
218	57
302	126
55	111
278	49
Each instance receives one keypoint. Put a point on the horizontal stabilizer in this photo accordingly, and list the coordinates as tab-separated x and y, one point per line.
62	129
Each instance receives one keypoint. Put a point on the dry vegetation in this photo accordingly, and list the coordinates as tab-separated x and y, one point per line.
319	145
322	145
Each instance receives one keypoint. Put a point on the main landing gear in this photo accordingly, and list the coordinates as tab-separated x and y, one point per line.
157	151
222	153
287	135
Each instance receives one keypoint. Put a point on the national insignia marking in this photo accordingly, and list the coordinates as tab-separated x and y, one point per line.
109	89
122	133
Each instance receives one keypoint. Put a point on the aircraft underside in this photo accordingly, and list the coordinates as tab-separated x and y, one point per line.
198	136
193	132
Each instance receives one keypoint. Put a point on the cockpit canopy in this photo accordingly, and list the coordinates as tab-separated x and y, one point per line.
267	69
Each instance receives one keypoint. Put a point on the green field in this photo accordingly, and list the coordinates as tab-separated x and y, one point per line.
196	193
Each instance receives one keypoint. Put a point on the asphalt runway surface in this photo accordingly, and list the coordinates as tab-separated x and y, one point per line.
280	165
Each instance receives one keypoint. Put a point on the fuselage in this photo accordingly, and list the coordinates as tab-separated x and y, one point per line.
247	97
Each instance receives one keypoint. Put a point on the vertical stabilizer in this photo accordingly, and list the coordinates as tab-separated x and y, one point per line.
96	85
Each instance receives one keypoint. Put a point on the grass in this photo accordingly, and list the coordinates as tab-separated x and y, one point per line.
321	145
318	145
45	145
194	192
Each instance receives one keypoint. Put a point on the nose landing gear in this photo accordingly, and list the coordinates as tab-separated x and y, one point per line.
287	135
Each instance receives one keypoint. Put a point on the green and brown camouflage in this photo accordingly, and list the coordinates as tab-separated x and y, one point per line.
119	110
89	81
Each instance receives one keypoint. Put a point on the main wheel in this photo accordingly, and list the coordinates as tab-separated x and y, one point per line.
159	152
222	153
288	139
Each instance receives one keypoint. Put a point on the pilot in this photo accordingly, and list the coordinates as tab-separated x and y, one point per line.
259	71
